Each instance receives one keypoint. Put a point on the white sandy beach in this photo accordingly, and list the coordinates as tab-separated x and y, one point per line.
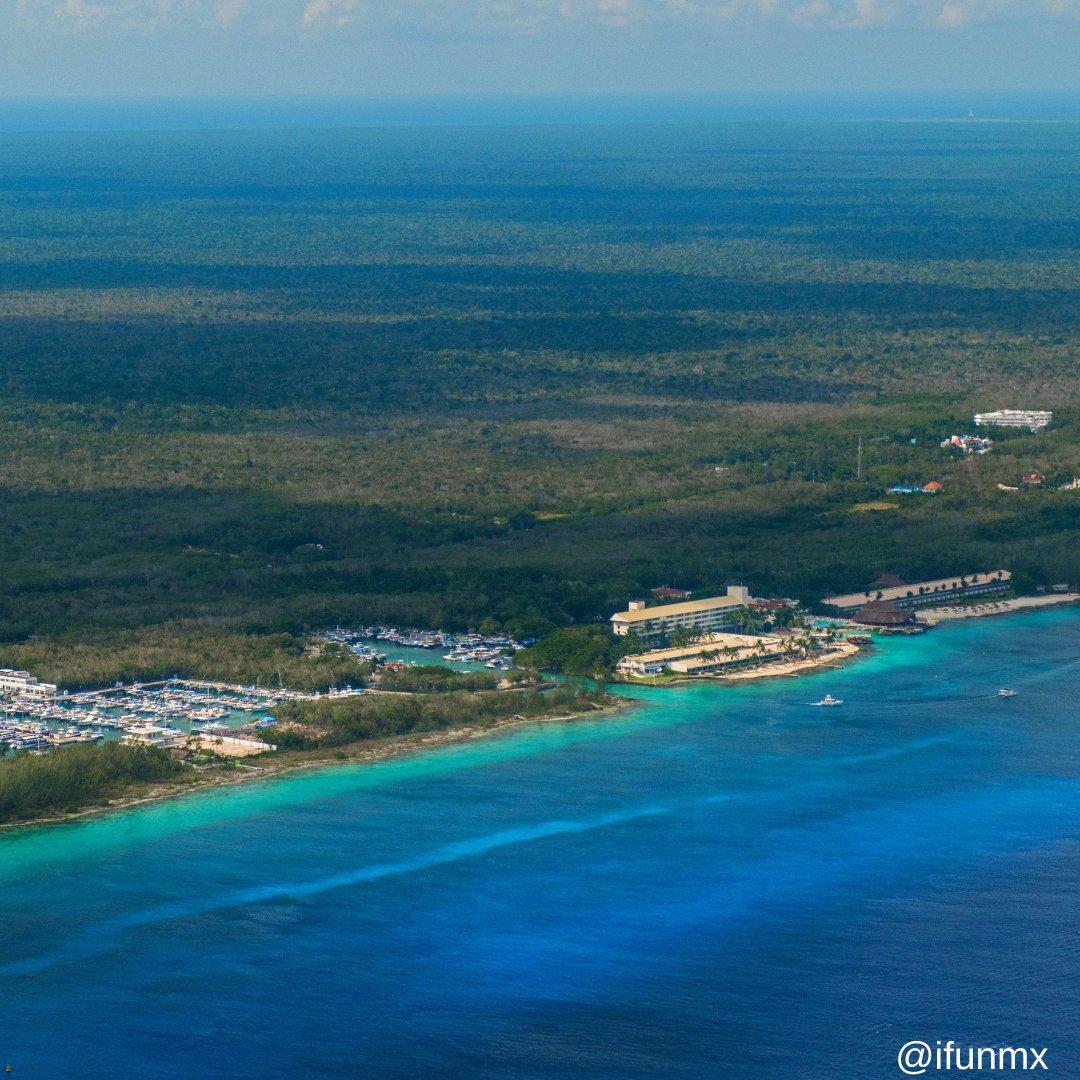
837	653
1000	607
842	651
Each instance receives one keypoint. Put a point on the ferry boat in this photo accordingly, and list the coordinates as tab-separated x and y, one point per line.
828	699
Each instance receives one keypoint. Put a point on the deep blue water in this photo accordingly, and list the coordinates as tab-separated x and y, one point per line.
312	112
725	882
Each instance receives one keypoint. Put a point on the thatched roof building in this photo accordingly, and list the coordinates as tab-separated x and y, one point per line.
884	613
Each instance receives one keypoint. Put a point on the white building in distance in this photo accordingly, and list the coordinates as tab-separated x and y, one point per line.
23	684
1031	419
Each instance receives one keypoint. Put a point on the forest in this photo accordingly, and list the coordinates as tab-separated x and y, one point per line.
328	723
74	777
262	383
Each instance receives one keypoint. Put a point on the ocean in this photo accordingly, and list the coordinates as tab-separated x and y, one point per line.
721	882
307	112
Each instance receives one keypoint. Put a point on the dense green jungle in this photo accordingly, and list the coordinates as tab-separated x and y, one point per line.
260	383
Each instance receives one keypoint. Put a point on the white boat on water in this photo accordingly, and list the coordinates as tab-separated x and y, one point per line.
1006	693
828	699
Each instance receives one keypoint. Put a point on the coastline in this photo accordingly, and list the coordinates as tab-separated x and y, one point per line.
793	668
1001	607
350	754
296	879
841	653
836	656
395	746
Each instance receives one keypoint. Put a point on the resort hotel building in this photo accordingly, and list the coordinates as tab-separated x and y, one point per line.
714	652
1032	419
927	592
23	684
697	616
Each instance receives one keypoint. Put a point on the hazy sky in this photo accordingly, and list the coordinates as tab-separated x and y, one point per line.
434	46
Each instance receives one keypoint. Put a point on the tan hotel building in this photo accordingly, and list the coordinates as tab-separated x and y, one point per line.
698	616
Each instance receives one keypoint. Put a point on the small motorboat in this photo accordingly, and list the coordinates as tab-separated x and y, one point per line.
1006	693
828	699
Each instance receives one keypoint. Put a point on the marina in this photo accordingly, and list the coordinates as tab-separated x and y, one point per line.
165	713
37	716
370	645
654	859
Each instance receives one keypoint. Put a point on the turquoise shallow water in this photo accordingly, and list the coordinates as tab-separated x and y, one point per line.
723	882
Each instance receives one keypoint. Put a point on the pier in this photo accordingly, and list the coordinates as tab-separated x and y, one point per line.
165	712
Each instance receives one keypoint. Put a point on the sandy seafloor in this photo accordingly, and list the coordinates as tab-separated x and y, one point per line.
724	882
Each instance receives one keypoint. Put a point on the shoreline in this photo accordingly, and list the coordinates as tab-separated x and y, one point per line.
935	616
841	653
395	746
793	668
778	670
352	754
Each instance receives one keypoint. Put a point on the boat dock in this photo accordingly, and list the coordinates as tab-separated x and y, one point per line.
162	713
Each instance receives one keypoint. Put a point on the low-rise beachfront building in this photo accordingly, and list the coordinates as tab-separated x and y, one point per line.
23	684
1032	419
713	653
152	735
927	592
697	616
884	613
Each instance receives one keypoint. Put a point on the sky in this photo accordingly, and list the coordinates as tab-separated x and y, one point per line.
375	47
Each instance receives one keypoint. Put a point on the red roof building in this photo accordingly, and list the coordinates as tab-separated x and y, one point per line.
665	592
770	605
